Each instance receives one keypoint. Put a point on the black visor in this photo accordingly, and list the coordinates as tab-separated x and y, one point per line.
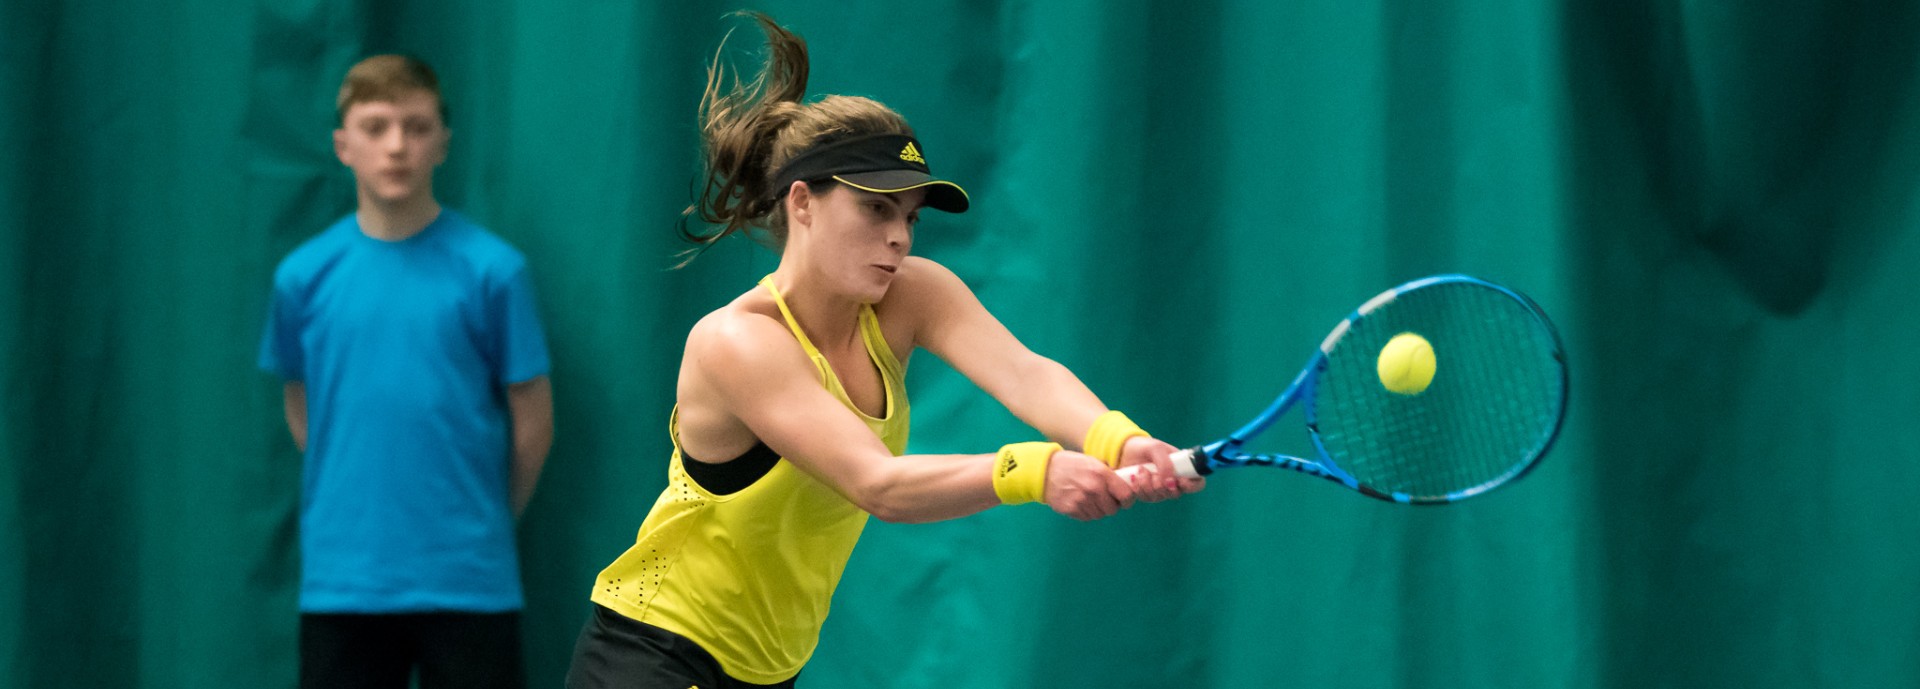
881	163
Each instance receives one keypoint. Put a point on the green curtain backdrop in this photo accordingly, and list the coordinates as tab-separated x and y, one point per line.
1176	199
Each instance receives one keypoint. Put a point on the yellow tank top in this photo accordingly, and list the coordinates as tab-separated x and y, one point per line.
749	575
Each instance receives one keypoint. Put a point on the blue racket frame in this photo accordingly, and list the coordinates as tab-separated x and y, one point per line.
1226	452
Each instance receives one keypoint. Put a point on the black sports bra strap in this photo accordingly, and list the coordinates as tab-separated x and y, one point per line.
727	478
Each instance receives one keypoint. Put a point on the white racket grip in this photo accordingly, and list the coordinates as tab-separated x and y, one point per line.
1182	465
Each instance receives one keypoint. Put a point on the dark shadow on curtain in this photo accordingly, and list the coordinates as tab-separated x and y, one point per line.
1172	215
1752	138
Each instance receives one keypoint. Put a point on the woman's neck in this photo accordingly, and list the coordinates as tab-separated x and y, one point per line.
830	320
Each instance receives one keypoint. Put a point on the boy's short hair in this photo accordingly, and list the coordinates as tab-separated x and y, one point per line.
385	78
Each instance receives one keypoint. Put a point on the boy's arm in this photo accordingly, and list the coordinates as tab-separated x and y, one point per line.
530	405
295	394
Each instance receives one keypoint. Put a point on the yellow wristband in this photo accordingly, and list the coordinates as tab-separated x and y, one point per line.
1110	432
1020	472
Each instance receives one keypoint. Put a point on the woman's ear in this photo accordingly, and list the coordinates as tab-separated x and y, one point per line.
801	198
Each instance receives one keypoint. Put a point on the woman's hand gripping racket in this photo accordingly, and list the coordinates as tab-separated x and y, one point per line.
1435	391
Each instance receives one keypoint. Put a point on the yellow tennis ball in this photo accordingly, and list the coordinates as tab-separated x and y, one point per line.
1406	364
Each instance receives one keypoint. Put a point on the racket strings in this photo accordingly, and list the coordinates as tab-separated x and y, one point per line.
1490	410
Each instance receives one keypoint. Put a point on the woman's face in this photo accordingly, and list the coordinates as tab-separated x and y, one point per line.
857	239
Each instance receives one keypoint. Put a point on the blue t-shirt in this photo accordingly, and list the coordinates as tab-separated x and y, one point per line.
405	349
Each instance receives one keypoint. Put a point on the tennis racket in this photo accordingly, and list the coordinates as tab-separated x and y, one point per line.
1493	406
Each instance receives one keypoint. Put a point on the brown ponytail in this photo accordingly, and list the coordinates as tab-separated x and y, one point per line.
750	129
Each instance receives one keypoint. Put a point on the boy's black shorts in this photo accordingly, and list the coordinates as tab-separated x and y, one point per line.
464	650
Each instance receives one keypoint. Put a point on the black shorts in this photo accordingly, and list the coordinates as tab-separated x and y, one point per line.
618	652
383	651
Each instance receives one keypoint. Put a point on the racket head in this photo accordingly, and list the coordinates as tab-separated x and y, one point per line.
1493	408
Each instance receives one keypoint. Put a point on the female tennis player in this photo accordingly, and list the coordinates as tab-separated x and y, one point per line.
792	412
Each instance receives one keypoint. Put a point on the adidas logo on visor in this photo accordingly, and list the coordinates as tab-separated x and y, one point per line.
911	154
